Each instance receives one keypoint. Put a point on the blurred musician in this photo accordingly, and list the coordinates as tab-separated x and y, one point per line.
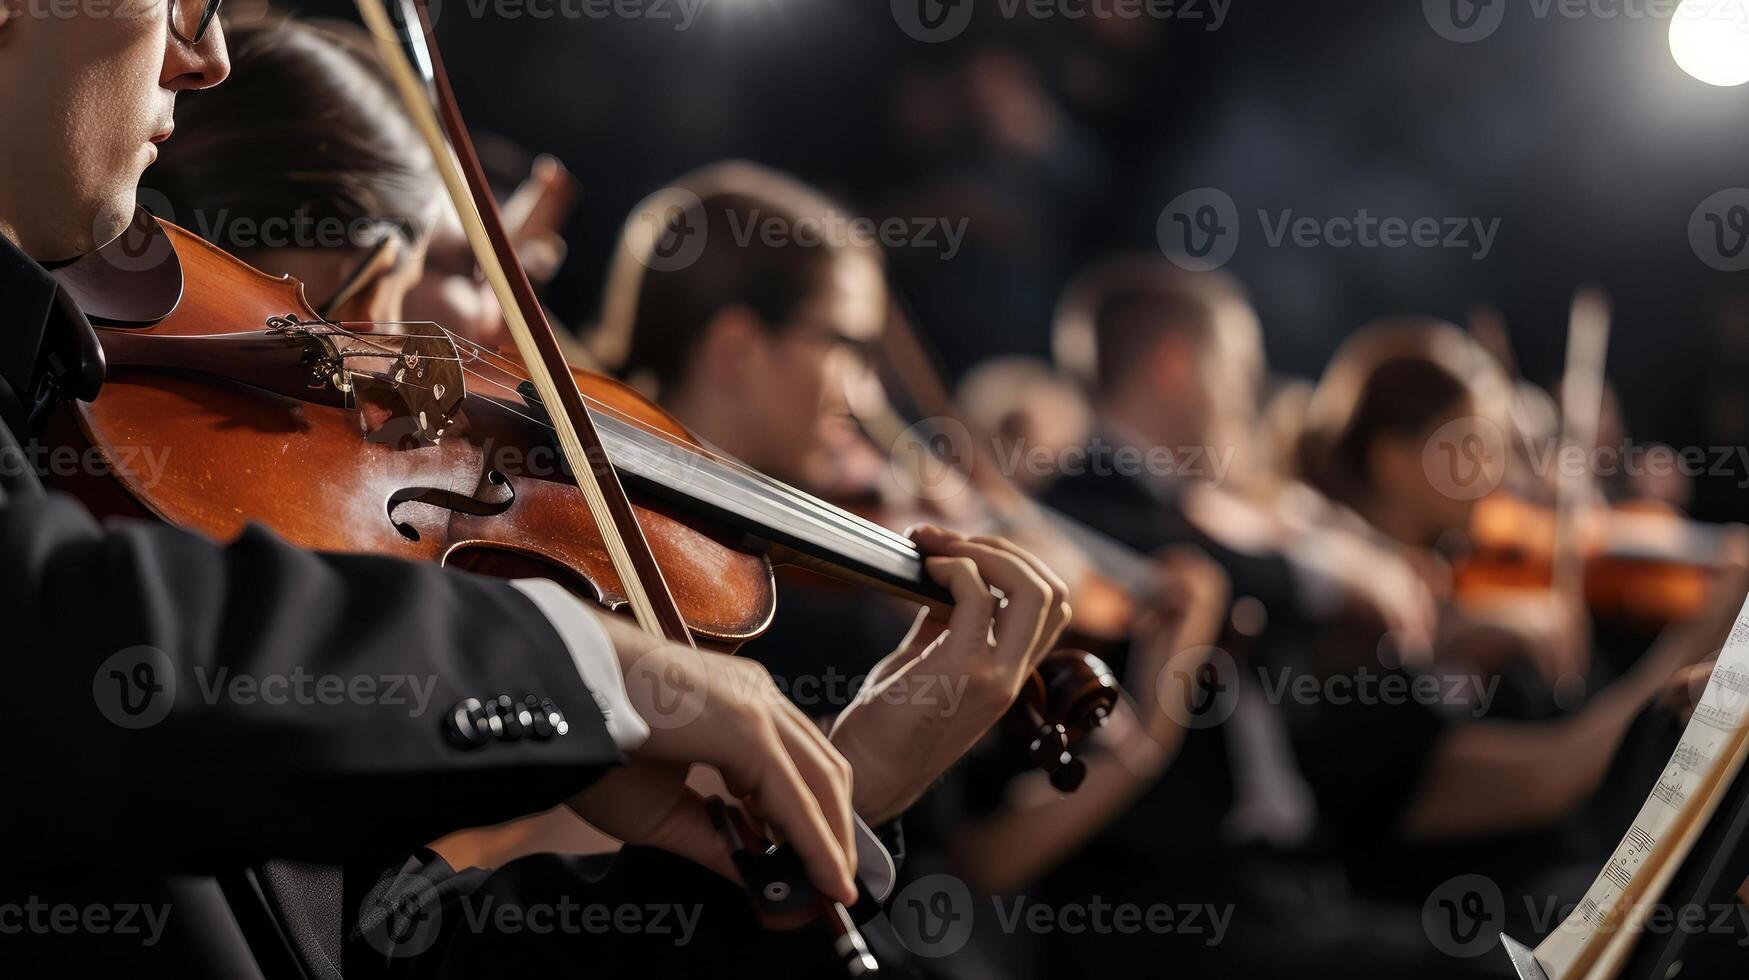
1171	353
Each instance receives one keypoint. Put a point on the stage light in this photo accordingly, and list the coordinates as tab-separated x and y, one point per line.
1710	40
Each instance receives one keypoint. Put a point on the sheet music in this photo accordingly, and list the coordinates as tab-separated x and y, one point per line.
1702	767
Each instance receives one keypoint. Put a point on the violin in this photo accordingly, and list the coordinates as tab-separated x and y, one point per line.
1640	563
409	441
1644	564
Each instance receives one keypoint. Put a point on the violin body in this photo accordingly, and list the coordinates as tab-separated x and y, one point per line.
1644	565
489	494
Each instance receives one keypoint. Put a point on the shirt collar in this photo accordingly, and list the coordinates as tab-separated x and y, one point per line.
27	298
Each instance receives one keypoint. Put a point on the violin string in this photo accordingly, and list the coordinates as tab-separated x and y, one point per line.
794	500
775	489
773	486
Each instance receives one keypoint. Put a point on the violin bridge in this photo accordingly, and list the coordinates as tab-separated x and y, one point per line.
406	381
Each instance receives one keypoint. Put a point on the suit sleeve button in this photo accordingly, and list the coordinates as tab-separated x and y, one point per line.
507	719
467	724
538	722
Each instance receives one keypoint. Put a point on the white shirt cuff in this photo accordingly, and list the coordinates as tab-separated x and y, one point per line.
593	654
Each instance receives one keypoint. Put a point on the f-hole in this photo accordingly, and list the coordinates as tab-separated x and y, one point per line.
494	498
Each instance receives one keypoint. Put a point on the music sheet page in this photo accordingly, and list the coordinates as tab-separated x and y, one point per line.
1594	940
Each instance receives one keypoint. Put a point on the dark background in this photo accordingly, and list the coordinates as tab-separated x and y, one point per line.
1062	139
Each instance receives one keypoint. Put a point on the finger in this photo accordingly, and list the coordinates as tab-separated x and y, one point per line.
973	605
1019	621
779	797
1057	605
826	771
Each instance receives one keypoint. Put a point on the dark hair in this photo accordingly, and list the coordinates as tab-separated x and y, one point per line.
1391	379
308	130
653	316
1130	322
1118	310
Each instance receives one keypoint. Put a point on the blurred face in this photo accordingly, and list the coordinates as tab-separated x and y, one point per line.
797	376
90	95
1433	477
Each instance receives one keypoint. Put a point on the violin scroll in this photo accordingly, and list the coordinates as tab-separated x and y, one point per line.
1066	700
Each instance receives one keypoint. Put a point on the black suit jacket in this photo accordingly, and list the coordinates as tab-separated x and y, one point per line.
154	717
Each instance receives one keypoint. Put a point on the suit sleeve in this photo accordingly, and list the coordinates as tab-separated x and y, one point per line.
191	704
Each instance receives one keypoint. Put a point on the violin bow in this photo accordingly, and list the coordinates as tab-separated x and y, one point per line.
464	178
1581	417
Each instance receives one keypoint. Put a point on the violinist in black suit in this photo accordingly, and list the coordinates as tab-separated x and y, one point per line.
138	754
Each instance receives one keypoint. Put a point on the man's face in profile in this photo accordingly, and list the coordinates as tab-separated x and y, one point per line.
88	91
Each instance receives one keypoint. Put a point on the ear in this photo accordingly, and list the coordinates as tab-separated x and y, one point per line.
734	342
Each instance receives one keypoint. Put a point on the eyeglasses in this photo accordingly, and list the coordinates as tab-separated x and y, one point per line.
189	19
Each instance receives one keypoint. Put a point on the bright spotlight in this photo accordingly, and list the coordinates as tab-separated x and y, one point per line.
1710	40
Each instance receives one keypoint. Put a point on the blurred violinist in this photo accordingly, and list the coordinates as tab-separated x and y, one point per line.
750	336
1175	358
